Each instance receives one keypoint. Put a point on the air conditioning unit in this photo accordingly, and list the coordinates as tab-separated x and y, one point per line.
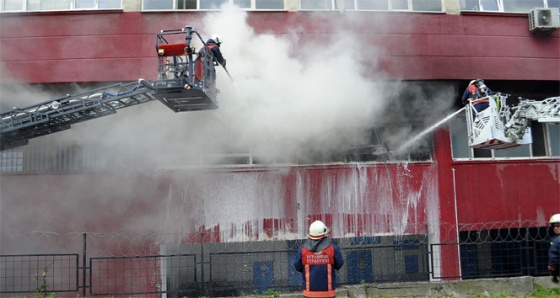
544	19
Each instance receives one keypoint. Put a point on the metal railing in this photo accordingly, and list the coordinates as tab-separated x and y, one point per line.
39	272
192	266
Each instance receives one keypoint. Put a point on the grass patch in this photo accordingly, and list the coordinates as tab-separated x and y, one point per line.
542	292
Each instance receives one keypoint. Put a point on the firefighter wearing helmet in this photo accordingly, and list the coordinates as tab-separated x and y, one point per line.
316	260
213	44
476	92
554	250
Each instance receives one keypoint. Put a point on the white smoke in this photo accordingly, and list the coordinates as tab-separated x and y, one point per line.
291	96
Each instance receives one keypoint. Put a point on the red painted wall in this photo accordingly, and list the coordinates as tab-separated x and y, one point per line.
508	191
49	48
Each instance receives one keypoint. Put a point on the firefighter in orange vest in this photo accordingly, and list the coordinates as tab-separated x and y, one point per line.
318	259
475	92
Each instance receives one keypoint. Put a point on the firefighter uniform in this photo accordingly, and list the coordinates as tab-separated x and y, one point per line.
318	260
554	250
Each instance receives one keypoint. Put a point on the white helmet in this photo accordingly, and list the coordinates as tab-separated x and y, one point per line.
555	219
318	230
472	82
218	39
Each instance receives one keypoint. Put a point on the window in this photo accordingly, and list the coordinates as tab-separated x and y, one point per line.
546	142
553	139
49	5
316	4
429	5
11	161
372	5
185	4
521	6
269	4
85	3
515	6
92	4
383	146
212	4
399	4
58	5
489	5
243	3
13	5
382	5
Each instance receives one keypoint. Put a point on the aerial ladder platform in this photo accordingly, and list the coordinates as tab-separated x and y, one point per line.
186	82
503	125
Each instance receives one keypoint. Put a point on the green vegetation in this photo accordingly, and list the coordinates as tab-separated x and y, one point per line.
42	288
271	292
542	292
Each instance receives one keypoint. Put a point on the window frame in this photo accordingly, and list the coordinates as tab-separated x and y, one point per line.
356	6
175	4
25	6
500	5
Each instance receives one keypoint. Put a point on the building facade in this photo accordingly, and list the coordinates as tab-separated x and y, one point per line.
117	175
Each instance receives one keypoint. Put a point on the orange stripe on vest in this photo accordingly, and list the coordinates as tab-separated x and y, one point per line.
319	293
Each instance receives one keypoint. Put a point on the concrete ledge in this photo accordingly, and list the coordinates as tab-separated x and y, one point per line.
514	286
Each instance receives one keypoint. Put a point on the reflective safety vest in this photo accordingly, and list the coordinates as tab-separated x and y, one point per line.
318	270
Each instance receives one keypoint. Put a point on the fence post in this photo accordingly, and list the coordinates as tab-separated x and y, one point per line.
428	256
202	263
528	262
84	265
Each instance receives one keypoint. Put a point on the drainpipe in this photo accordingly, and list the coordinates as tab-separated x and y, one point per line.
457	224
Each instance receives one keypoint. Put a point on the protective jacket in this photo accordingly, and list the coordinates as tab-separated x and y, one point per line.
470	92
318	260
473	92
554	256
215	49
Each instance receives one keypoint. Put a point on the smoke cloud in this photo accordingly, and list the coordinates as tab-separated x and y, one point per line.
294	97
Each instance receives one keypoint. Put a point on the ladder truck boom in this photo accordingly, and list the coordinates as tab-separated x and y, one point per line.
21	124
186	82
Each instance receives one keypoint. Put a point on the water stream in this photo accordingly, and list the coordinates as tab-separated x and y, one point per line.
428	130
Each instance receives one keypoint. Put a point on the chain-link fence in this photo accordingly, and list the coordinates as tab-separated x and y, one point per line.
196	265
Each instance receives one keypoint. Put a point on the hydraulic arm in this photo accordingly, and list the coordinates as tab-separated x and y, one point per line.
186	82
